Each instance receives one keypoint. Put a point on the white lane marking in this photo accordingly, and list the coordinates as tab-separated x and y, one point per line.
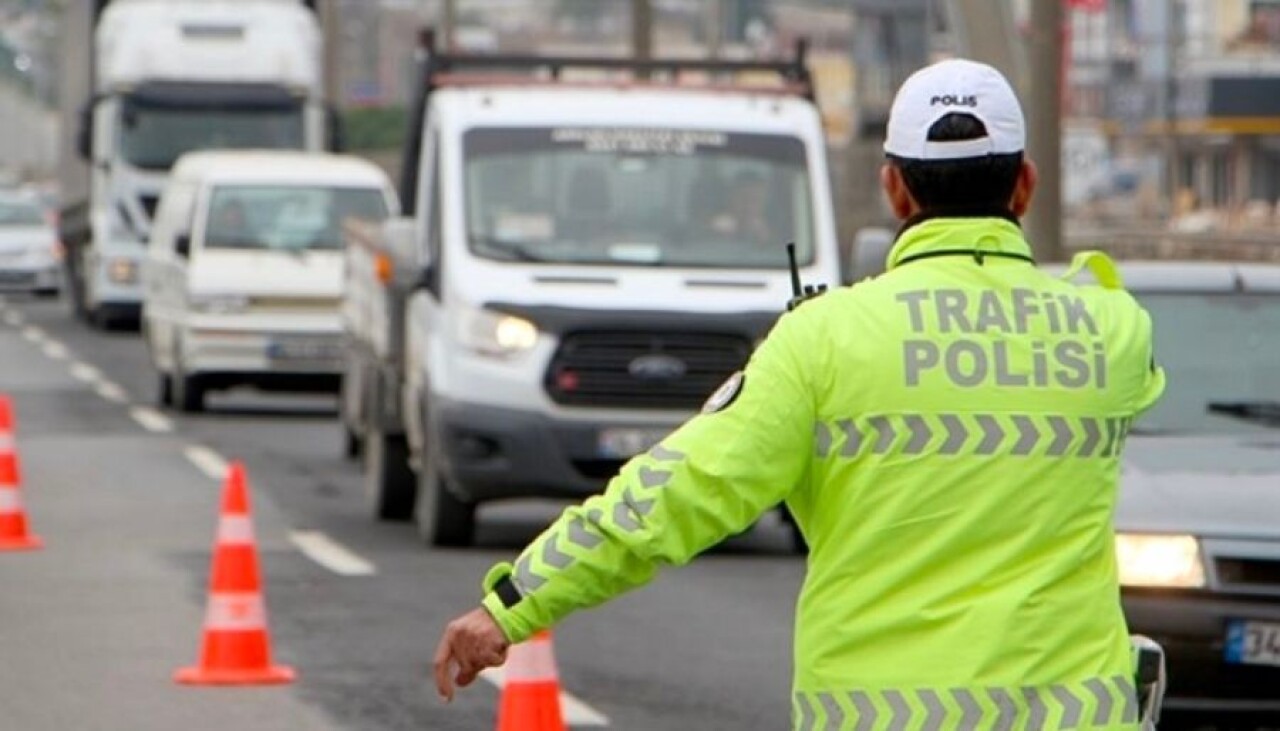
33	334
151	420
574	710
112	392
330	554
13	318
207	461
84	372
55	350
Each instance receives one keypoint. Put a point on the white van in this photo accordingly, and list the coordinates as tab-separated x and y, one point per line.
243	277
585	263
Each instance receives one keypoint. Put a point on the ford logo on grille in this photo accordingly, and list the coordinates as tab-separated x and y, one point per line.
657	368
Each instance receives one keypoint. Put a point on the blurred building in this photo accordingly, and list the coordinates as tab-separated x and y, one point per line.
1187	95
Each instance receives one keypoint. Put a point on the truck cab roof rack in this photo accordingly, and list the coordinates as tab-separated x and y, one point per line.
441	69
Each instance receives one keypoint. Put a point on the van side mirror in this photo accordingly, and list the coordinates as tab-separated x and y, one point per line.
182	244
84	133
867	254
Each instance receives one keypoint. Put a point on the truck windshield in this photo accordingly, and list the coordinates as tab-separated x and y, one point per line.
286	218
1214	348
154	138
20	213
645	197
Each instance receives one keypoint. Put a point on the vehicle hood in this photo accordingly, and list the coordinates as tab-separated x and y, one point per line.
267	273
25	238
1208	486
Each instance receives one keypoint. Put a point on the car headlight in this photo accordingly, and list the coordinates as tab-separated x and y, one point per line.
122	271
1159	560
495	333
219	304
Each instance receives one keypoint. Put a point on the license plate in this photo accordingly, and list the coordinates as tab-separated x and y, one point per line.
625	443
1253	643
303	350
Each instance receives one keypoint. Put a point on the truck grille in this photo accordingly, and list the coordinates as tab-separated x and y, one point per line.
659	370
1250	574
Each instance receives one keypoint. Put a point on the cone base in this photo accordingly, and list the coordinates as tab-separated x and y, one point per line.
26	543
273	675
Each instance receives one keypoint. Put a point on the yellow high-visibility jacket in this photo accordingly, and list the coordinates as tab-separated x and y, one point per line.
948	437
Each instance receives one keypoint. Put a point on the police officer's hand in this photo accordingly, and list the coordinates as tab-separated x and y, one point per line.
471	642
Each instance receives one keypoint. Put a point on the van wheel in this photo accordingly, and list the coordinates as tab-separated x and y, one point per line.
164	389
188	393
443	519
389	484
351	444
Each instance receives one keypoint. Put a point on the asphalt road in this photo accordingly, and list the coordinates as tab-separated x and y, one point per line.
125	496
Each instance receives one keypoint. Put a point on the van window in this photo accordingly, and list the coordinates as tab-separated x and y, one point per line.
286	217
637	196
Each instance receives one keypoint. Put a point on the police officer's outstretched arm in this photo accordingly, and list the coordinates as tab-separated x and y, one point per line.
711	478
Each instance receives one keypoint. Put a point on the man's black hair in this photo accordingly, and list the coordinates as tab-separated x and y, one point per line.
968	186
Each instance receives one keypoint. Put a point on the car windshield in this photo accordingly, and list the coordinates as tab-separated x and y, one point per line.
20	213
644	197
154	138
287	218
1215	348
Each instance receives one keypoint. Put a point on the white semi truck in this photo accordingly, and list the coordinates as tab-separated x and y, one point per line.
144	81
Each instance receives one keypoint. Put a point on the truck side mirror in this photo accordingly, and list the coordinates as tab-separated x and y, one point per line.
182	244
84	134
335	130
867	254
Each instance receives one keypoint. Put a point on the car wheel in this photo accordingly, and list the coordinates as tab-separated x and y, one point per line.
389	484
188	390
443	519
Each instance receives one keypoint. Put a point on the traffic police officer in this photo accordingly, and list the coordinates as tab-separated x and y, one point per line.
948	437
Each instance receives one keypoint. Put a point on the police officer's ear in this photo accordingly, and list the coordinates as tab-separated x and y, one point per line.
1024	190
901	202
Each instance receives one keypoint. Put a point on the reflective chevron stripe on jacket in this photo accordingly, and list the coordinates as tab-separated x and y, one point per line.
1093	705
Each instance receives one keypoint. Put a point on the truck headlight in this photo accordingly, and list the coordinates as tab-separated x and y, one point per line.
219	304
1159	560
495	333
122	271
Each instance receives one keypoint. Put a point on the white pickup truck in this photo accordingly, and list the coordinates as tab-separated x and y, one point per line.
586	260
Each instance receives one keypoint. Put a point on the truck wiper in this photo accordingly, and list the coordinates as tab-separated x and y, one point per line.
515	250
1267	412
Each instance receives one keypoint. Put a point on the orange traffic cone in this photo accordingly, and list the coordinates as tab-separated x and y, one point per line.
14	534
235	649
531	690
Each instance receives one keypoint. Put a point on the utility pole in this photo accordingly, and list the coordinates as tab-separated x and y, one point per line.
1044	91
448	24
715	27
330	16
641	29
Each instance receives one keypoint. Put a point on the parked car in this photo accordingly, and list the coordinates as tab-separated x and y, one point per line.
1199	516
30	255
243	277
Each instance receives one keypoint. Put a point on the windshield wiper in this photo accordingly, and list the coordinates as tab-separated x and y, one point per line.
1267	412
515	250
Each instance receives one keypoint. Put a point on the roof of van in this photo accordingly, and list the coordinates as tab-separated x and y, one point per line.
570	105
278	166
